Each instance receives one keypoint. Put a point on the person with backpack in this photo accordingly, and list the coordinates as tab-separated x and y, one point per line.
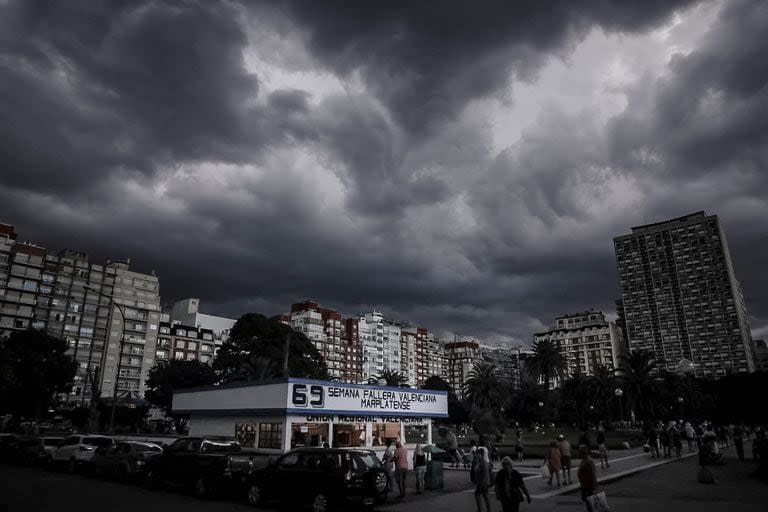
510	487
481	476
419	467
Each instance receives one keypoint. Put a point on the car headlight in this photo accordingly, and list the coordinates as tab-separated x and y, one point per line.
140	462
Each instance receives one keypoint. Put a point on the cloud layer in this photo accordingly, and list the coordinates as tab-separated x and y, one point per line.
464	169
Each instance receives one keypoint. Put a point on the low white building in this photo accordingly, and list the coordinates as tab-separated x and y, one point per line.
289	413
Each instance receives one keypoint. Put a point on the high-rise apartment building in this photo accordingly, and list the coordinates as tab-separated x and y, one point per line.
460	356
503	358
681	298
587	340
65	294
324	329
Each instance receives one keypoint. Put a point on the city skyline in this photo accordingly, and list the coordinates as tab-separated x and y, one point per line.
385	159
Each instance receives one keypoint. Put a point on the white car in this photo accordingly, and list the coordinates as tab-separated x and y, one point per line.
78	450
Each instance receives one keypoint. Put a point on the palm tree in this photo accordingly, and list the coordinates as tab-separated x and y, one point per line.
391	377
637	375
546	362
603	384
483	388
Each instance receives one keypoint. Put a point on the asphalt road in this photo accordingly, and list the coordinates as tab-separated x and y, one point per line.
33	489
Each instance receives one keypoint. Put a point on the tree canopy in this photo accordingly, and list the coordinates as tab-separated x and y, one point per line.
483	388
34	367
256	347
546	362
174	374
392	378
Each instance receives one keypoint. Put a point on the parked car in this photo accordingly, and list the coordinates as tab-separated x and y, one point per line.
77	451
124	459
205	465
7	446
30	451
51	443
321	478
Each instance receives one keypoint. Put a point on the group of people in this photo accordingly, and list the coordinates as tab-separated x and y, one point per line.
395	461
508	483
666	438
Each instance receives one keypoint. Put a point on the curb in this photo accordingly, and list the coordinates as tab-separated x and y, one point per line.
615	476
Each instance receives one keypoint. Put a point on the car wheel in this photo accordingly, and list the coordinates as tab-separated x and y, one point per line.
255	496
319	502
150	480
72	466
201	488
49	462
123	472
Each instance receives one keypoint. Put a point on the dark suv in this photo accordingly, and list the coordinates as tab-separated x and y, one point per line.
320	478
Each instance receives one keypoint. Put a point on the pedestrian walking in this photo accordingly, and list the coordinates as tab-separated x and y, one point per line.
690	435
554	462
519	445
653	441
401	467
453	447
510	487
481	475
565	458
419	467
666	442
738	441
602	448
677	441
587	476
389	463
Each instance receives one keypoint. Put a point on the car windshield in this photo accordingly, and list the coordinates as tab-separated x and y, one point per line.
97	441
365	461
220	447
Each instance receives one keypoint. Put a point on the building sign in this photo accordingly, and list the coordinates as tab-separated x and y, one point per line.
342	419
324	397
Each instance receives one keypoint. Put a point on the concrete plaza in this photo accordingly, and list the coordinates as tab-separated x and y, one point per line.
633	483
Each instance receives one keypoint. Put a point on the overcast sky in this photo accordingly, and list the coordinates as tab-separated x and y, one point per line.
461	165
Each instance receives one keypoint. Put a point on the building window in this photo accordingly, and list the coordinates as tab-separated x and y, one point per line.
270	435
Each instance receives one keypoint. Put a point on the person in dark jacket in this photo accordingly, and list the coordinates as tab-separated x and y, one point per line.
510	487
587	475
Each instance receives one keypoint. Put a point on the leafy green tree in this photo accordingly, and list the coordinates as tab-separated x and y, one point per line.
256	347
35	367
391	377
603	385
546	362
174	374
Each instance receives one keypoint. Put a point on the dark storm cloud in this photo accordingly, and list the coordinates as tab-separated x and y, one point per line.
136	129
427	59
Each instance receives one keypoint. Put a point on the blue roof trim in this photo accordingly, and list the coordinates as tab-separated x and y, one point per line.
246	384
323	412
367	386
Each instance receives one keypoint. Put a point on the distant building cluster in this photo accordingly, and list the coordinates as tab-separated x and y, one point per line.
679	299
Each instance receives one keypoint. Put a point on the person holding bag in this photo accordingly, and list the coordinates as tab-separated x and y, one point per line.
587	476
510	487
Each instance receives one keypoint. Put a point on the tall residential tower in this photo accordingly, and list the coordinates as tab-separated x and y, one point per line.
681	298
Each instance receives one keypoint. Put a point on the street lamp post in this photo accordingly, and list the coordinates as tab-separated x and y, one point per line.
119	356
619	393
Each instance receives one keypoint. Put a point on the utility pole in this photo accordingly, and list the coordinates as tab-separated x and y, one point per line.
120	354
285	354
